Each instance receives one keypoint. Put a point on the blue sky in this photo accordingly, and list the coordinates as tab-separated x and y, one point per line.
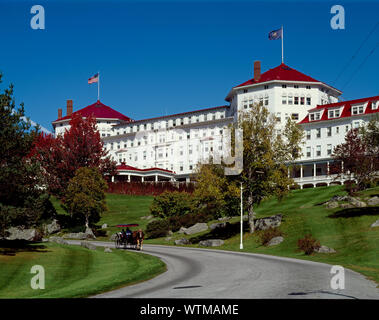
159	58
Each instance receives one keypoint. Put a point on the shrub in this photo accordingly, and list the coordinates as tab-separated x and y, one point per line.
157	229
170	204
265	236
308	244
187	220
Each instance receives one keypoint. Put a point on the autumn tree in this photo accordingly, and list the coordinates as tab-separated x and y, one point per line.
23	200
61	156
356	159
85	196
268	153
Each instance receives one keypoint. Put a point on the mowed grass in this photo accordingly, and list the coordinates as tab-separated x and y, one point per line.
72	271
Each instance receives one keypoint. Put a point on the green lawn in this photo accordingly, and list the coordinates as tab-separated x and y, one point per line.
72	271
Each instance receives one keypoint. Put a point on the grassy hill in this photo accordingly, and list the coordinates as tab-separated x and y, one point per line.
348	231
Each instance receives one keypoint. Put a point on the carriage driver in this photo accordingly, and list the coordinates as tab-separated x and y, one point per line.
128	233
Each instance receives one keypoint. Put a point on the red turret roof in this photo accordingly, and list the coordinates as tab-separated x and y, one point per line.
281	72
99	111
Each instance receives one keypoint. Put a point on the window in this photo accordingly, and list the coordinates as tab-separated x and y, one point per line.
244	104
334	113
308	134
190	166
329	131
244	90
181	121
302	100
337	130
266	87
266	100
308	152
357	110
346	128
284	86
295	116
284	99
329	149
296	100
308	101
290	99
318	151
278	117
375	105
318	133
296	86
308	87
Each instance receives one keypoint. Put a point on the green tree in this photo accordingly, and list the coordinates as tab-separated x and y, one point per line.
268	153
85	196
214	192
169	204
23	200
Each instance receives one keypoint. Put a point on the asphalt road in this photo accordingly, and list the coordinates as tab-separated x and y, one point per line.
202	273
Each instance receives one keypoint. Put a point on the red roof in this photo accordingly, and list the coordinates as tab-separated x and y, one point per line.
99	111
281	72
346	112
124	166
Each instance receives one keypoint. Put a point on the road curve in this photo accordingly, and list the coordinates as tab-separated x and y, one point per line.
204	273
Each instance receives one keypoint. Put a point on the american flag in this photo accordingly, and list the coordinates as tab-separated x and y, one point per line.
94	79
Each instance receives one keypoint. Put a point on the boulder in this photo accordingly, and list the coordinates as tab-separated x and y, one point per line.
88	245
268	222
90	234
168	238
147	217
104	226
358	204
211	243
182	241
346	205
375	224
107	250
224	218
275	241
331	204
76	236
196	228
182	230
325	249
170	233
17	233
218	225
374	201
58	240
52	227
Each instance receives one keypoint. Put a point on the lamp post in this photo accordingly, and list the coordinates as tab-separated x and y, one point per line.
241	243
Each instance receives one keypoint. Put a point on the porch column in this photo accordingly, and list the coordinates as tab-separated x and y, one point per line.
314	170
187	179
327	168
142	179
112	179
301	172
128	177
156	178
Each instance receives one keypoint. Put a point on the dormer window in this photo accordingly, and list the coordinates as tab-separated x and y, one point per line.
357	110
334	113
375	105
314	116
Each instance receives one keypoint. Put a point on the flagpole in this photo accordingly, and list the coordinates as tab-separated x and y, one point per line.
282	44
98	88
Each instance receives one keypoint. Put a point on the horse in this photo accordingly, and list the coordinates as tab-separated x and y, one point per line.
139	236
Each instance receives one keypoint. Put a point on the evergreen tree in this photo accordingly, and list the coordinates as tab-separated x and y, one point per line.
23	199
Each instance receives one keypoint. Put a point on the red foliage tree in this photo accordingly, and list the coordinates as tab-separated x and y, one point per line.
354	159
78	147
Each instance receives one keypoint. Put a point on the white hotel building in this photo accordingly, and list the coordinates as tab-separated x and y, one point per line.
169	147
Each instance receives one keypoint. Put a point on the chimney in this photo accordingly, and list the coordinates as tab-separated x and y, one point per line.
257	70
69	107
59	113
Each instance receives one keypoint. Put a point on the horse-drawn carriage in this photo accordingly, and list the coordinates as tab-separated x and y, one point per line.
129	239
